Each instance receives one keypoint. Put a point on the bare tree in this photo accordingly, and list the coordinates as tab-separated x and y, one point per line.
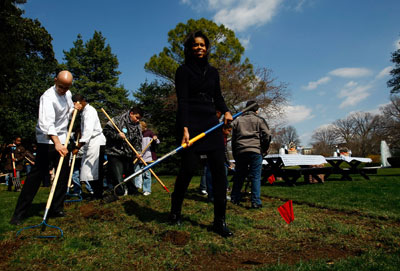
390	123
324	140
360	132
284	136
367	135
240	84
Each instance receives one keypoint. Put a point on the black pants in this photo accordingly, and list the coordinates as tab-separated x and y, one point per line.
46	156
119	166
189	164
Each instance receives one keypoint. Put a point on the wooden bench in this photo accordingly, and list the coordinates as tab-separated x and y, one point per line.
291	175
345	172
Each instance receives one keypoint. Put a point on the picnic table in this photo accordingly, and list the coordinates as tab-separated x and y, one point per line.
353	163
274	164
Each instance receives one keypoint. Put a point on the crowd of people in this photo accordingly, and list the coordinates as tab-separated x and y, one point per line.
128	144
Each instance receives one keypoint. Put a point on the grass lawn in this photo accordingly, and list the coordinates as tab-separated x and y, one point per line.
339	225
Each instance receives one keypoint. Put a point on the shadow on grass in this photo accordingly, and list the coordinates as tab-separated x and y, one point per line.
146	214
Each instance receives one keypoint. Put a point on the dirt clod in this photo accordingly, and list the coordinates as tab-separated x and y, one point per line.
178	238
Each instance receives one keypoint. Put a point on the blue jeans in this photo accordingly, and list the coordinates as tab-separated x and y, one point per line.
143	180
146	176
248	164
77	183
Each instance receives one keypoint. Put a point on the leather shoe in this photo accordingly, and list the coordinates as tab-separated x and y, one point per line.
57	214
175	219
16	220
221	229
256	206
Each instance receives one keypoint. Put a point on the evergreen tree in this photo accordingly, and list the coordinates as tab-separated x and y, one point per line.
94	68
27	68
394	83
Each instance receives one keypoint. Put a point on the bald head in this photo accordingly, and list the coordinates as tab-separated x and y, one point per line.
63	82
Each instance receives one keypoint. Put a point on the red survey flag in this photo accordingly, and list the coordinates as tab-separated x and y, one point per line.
271	179
286	211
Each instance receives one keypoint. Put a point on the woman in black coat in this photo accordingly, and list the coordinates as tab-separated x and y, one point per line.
199	96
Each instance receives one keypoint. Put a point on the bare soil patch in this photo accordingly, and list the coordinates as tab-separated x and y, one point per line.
178	238
90	210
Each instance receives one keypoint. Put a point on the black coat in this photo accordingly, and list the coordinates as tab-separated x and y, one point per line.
115	145
199	95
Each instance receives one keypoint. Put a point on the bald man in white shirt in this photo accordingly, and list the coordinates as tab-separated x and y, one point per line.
55	111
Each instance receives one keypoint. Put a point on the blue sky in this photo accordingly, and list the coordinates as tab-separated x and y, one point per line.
334	55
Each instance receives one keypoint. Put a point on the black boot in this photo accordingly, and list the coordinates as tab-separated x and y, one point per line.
175	219
219	225
221	228
97	186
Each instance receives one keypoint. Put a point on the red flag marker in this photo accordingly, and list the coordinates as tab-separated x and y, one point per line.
271	179
286	211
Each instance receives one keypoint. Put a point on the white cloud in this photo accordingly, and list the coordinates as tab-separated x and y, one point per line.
385	72
324	126
245	42
299	5
314	84
219	4
242	14
397	44
351	72
297	113
353	93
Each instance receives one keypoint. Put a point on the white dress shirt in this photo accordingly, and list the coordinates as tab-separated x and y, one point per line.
54	115
90	124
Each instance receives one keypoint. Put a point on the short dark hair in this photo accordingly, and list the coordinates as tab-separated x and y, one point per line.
254	108
136	110
190	40
78	98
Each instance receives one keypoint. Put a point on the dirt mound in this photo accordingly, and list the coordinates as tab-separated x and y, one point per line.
93	211
178	238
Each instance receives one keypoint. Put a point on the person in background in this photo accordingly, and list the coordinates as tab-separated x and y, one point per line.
250	140
14	160
76	172
93	142
30	157
199	95
119	155
150	140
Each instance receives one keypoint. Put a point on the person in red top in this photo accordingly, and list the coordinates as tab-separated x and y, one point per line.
14	163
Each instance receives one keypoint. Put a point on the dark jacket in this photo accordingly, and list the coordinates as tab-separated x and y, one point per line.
199	95
250	133
116	146
19	154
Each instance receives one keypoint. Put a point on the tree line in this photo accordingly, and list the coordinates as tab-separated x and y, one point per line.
28	66
362	132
